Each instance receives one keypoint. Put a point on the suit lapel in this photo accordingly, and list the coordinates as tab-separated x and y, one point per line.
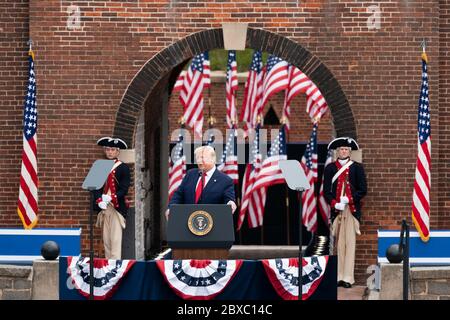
211	181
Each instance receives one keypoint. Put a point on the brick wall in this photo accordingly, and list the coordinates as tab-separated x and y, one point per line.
83	74
13	76
442	163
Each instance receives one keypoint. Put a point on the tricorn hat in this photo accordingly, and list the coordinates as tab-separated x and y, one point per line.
343	142
112	142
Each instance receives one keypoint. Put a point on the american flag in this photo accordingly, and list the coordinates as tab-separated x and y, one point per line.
309	164
177	168
324	207
270	173
253	93
231	87
253	202
229	163
191	84
27	206
422	182
206	74
316	106
206	70
276	78
298	83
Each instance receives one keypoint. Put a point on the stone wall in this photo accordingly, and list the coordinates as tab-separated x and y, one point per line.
430	283
15	282
425	283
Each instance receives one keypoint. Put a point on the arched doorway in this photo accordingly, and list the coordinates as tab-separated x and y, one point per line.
150	89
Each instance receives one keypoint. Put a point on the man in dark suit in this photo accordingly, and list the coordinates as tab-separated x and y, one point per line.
205	184
110	201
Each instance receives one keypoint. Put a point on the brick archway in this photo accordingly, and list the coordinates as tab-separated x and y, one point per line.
170	58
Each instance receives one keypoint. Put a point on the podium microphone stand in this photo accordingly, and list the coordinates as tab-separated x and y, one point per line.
296	180
95	180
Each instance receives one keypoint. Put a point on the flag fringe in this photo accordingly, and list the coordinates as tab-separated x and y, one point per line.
25	226
417	225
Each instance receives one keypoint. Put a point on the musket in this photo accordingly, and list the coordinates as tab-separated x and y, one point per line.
339	222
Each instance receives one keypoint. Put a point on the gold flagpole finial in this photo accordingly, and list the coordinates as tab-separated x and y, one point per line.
211	121
30	48
423	44
316	119
181	121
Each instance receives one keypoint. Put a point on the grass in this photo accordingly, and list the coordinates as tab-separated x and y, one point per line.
218	59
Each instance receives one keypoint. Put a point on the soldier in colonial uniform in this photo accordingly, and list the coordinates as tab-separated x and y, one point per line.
110	201
344	186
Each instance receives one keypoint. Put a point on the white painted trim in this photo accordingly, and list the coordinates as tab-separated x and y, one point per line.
420	260
20	258
414	234
38	232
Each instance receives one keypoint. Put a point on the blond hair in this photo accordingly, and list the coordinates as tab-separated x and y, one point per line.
208	149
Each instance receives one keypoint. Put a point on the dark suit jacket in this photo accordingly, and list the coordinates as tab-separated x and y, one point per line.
218	190
358	186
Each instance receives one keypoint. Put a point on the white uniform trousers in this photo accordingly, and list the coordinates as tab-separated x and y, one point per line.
113	224
344	230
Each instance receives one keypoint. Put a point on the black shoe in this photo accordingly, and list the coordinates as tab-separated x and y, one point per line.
347	285
341	283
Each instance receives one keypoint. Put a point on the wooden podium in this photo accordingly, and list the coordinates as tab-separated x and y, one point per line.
200	253
200	231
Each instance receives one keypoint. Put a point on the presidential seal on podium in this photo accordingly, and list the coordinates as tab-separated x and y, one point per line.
200	222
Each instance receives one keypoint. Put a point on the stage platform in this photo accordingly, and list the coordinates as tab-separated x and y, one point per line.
251	252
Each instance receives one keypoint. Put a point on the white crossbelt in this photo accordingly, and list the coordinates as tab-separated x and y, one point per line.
348	164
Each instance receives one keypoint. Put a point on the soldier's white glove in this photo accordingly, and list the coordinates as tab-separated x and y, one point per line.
339	206
102	205
344	200
106	198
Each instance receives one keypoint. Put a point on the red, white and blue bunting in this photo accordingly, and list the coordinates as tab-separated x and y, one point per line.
283	275
198	279
107	275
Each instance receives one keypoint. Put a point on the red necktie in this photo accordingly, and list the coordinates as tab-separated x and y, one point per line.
199	189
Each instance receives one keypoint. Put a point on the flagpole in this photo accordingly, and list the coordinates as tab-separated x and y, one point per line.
238	193
91	247
259	122
209	101
423	44
300	253
288	233
30	44
262	234
262	226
